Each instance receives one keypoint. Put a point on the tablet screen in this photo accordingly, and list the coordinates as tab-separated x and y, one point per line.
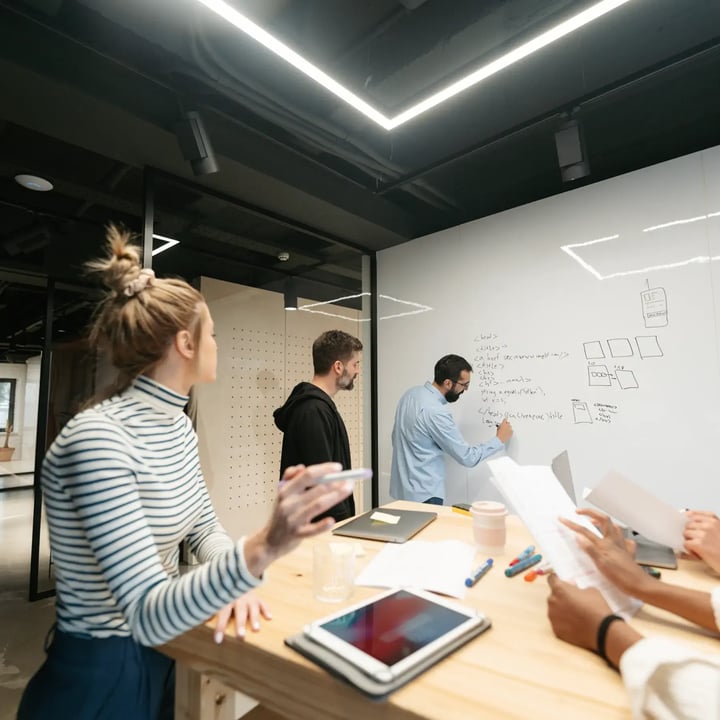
394	626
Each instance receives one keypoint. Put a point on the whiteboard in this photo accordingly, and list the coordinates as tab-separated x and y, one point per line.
591	322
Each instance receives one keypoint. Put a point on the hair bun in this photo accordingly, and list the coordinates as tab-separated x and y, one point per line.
121	267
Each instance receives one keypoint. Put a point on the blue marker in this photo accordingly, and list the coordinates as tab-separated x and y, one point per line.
523	565
469	582
527	552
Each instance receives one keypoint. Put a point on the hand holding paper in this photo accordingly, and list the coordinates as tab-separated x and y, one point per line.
610	552
540	501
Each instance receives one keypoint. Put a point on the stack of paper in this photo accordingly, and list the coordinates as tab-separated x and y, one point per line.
436	566
539	500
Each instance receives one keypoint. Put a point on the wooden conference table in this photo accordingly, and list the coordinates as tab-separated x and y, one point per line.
517	669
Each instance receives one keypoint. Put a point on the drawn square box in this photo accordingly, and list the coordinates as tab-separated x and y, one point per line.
627	379
593	350
598	376
620	347
648	346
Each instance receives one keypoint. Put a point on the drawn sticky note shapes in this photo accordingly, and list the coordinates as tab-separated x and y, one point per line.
593	350
654	307
648	346
598	376
620	347
581	412
626	379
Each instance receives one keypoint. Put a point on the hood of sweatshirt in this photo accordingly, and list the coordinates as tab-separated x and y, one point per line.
301	392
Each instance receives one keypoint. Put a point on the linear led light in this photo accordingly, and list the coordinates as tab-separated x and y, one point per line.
684	221
244	24
698	260
169	242
420	307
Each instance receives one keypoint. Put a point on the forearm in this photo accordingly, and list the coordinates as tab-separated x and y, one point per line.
693	605
619	638
258	553
174	606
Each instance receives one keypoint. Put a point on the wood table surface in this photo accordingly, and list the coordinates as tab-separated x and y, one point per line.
517	669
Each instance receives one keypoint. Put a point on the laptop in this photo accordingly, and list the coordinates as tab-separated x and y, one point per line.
647	552
363	526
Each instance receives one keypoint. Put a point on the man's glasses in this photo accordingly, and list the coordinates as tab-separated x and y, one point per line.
464	385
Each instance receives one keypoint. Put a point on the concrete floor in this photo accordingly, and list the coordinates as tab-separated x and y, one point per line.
23	625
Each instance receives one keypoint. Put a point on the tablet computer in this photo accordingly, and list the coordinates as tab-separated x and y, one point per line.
397	634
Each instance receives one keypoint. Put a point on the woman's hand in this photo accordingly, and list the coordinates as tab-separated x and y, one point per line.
299	500
575	614
612	553
247	610
702	537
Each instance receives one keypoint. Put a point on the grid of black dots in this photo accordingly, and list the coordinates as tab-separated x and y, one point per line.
254	443
264	366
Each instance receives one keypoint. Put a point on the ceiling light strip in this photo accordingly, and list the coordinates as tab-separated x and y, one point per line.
510	58
289	55
169	242
244	24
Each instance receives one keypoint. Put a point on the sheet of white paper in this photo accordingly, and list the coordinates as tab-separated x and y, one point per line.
639	509
540	500
436	566
385	517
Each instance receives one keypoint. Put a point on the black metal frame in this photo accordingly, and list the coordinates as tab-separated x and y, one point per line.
40	442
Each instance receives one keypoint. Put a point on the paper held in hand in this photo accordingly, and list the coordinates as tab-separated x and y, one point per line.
539	500
638	509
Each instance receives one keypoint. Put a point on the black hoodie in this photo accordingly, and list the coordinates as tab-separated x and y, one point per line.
314	432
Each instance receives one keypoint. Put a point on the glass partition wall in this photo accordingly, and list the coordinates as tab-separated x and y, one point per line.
272	286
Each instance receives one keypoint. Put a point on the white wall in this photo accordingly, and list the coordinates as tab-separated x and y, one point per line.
532	317
263	352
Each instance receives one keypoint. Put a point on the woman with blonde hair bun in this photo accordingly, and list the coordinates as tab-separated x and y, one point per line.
123	487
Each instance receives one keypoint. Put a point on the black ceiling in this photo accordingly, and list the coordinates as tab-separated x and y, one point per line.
92	91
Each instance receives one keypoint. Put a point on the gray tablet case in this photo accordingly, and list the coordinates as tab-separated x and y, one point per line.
376	690
410	523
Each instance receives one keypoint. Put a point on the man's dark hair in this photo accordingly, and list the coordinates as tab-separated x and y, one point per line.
449	367
331	346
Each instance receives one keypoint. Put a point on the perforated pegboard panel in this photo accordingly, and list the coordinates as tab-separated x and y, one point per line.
263	352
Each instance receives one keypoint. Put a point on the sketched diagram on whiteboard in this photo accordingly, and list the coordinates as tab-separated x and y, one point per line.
648	346
581	412
601	376
654	307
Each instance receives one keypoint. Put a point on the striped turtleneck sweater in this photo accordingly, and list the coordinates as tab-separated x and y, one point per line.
123	487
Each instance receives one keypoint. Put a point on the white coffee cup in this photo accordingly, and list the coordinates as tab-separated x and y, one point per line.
489	526
333	570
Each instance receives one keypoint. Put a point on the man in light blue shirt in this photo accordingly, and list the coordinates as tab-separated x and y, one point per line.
425	430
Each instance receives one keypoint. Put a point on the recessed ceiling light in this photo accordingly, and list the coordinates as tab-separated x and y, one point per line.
33	182
244	24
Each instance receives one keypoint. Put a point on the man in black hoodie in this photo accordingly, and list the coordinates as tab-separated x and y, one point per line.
313	430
